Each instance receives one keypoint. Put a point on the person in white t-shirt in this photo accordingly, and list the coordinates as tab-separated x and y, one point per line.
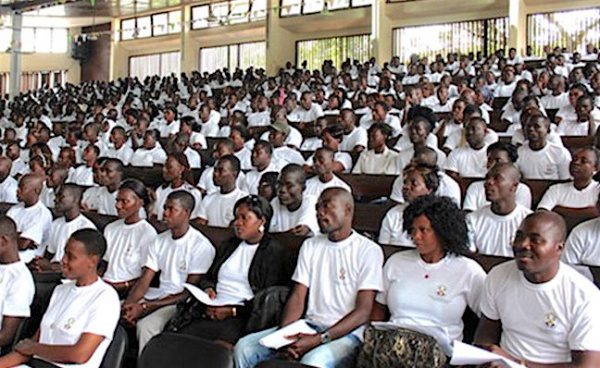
216	209
181	145
332	137
324	160
581	193
151	153
182	255
17	288
378	159
8	184
419	180
67	204
355	138
128	238
584	122
282	153
33	219
469	161
429	288
497	153
80	321
105	197
540	159
293	211
119	149
84	174
239	136
582	246
263	162
177	176
536	310
340	273
308	111
492	227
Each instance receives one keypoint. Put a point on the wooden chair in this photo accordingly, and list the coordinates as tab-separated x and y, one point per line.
369	187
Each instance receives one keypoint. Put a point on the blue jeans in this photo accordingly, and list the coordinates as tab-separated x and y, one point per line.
248	352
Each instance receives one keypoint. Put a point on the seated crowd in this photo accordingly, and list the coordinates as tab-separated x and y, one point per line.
467	141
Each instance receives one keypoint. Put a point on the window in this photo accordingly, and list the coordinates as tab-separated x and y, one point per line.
151	26
242	56
571	29
228	12
5	39
298	7
155	64
38	40
337	49
485	35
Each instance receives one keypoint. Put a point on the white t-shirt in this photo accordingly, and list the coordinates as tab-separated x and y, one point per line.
192	254
283	220
33	223
475	196
107	201
448	188
582	246
206	180
312	114
555	102
147	157
193	157
259	118
233	274
343	158
245	157
385	163
127	249
334	274
392	232
357	137
16	290
74	310
544	322
551	162
431	295
162	194
8	190
217	208
81	175
493	234
314	186
566	195
124	154
253	178
61	231
467	162
576	128
286	155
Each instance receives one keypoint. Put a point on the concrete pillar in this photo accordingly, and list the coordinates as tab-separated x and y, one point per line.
281	43
381	32
517	24
15	55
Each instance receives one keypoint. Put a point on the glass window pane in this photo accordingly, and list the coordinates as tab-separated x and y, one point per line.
5	39
213	58
338	4
239	11
252	54
337	49
361	2
169	63
159	24
175	21
290	7
60	40
312	6
200	17
43	40
143	66
233	57
144	25
27	40
220	12
127	29
259	10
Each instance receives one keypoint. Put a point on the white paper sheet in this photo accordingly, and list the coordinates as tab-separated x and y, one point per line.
277	339
465	354
219	301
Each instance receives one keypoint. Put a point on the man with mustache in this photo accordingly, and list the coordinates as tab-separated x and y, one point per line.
536	310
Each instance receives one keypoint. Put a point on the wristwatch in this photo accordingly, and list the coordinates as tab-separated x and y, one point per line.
325	337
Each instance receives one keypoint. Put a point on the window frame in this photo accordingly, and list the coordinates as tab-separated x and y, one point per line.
325	8
152	25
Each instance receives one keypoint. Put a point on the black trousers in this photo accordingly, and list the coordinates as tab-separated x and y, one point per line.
230	330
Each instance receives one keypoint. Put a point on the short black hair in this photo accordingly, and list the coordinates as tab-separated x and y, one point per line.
186	200
138	188
447	220
509	148
234	163
267	146
382	127
93	241
259	206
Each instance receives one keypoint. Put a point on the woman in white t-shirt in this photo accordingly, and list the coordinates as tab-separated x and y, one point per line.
151	153
243	266
177	175
428	288
81	318
418	181
128	238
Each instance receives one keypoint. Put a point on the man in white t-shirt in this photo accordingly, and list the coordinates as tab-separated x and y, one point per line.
84	174
182	255
470	161
8	184
119	149
105	197
67	202
308	111
206	183
540	159
293	211
492	227
263	163
33	219
339	272
536	310
583	244
216	209
17	287
324	159
355	138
